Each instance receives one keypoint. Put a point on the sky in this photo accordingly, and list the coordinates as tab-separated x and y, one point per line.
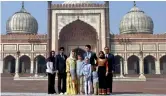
38	9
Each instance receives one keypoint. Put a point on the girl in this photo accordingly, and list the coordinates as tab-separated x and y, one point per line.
71	74
86	71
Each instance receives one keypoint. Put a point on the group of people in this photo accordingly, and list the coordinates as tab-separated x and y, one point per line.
82	74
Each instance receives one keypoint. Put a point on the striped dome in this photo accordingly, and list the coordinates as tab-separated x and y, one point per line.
136	21
22	22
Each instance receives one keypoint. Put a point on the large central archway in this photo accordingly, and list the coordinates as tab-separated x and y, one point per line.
77	34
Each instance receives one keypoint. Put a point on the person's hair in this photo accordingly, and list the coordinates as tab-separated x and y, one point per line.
106	47
88	46
86	58
51	53
79	55
61	48
48	59
101	52
72	50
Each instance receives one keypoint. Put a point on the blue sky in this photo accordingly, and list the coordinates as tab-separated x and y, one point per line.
155	9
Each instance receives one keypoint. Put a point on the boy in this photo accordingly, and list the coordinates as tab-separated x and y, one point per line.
80	63
95	80
86	72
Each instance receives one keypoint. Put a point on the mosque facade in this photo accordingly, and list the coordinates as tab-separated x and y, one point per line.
74	24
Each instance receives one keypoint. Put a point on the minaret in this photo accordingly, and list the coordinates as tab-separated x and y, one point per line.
107	26
49	28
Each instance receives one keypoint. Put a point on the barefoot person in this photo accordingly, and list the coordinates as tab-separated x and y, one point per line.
111	69
71	74
51	73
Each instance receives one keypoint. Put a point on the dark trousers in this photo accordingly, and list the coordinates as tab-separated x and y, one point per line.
102	77
109	81
62	81
51	83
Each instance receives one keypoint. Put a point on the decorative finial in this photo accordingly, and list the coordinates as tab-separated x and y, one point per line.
22	4
134	3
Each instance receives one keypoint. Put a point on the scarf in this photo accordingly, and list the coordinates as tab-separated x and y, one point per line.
72	62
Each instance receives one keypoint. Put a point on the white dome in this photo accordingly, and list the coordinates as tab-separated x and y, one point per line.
22	22
136	21
77	2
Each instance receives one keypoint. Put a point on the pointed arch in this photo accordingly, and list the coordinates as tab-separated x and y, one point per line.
133	64
163	64
117	63
149	64
77	33
24	64
76	28
9	64
41	61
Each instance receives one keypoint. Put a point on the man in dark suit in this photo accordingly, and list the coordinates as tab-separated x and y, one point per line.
111	69
60	61
91	55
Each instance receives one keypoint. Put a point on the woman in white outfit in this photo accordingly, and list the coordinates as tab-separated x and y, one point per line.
51	73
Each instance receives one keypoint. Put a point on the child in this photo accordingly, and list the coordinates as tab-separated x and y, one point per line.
80	63
86	71
95	80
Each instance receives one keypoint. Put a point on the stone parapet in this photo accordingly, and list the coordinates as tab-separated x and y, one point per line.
138	38
77	6
24	38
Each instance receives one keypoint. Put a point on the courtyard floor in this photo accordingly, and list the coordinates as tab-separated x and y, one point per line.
156	85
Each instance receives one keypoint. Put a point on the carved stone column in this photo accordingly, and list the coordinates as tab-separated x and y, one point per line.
36	71
125	67
121	68
157	67
32	66
141	65
17	68
1	64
